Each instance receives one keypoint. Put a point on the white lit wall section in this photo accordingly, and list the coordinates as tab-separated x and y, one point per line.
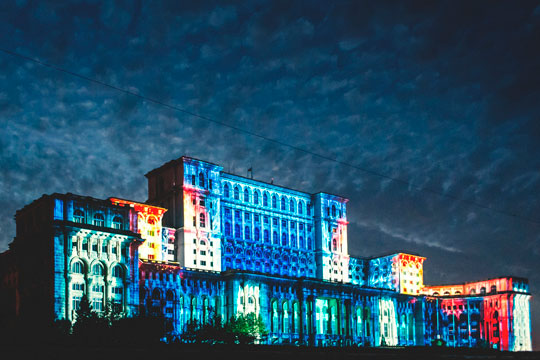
522	323
248	299
388	322
331	237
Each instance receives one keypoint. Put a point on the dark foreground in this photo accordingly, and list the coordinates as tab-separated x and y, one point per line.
200	352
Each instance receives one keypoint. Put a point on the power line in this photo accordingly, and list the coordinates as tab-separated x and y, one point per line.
254	134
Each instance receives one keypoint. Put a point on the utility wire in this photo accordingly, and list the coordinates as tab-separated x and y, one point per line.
275	141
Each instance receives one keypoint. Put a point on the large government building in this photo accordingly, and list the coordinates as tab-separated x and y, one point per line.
208	242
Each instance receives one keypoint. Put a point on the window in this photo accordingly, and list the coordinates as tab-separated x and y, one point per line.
117	222
293	240
76	302
301	239
266	220
309	245
97	304
246	195
327	211
247	233
193	180
274	221
237	232
99	220
493	288
227	229
77	267
257	234
194	221
202	220
227	213
291	205
333	211
202	202
78	216
117	271
300	207
274	202
275	239
201	179
308	209
97	269
266	236
256	198
284	239
236	193
283	205
226	191
265	199
78	286
256	218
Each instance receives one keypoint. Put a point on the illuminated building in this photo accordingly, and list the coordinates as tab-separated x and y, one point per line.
207	242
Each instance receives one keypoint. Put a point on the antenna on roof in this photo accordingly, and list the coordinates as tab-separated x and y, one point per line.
250	170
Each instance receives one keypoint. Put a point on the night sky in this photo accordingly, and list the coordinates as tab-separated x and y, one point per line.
431	109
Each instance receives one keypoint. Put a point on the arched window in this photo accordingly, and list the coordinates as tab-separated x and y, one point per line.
77	267
201	179
247	233
99	220
117	222
226	190
266	236
257	234
256	197
97	269
333	211
202	220
78	216
334	245
117	271
275	239
236	193
274	202
301	245
265	199
227	229
293	240
285	318
482	290
300	207
309	245
246	195
291	205
283	205
473	292
237	232
284	239
156	294
493	288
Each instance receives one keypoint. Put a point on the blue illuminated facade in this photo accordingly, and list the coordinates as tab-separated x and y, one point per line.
207	243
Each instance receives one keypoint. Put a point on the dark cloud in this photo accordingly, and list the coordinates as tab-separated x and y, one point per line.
442	95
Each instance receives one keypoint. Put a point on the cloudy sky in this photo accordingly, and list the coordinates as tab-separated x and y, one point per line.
431	110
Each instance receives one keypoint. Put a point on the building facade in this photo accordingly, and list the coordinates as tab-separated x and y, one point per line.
210	243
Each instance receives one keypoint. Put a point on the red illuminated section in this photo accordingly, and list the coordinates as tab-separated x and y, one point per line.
481	309
147	222
411	273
